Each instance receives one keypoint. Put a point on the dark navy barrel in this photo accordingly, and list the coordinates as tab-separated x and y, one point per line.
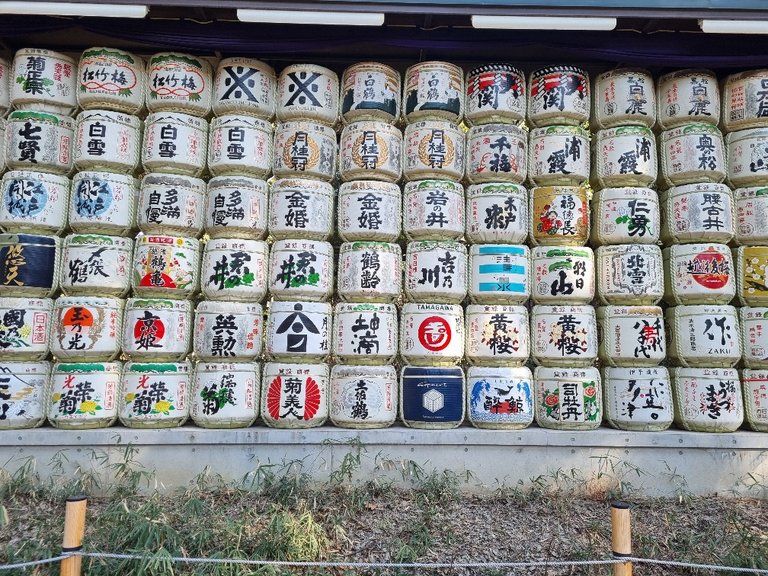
432	397
28	264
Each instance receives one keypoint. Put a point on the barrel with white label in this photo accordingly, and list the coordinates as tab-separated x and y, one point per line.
228	331
84	395
298	331
305	149
240	145
103	203
558	155
558	95
697	213
497	153
25	326
39	141
107	140
234	269
5	85
365	333
236	207
372	150
559	215
175	143
436	271
155	395
568	398
225	395
369	210
432	398
703	335
638	399
294	395
630	274
157	330
497	212
500	398
707	399
627	215
631	336
301	208
26	386
166	266
29	265
691	153
86	328
363	397
369	272
244	86
752	275
754	387
753	322
751	215
433	210
699	274
34	202
94	264
562	274
747	153
499	274
497	335
179	83
744	103
111	79
432	334
563	335
44	80
624	97
301	270
624	156
308	91
687	96
370	90
495	93
433	89
433	149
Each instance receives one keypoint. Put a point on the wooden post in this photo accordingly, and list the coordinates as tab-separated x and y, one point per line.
74	530
621	537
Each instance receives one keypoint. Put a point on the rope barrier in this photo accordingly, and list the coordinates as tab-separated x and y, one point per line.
33	563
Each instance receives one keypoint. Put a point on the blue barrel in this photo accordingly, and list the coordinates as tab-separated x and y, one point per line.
431	397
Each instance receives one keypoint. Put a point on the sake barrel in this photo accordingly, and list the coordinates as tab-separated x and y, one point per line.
87	328
433	210
29	265
624	97
638	399
294	395
301	270
84	395
497	335
169	203
370	150
174	142
631	336
5	85
559	215
431	334
707	399
26	386
562	274
226	395
496	153
34	202
558	155
305	149
624	156
369	210
433	149
228	331
3	129
499	398
39	141
244	86
568	398
747	153
365	333
699	274
25	327
496	212
563	335
234	269
155	395
369	272
558	95
157	330
499	274
166	266
691	153
432	398
752	275
236	207
751	215
95	264
301	208
308	91
240	145
436	271
744	102
754	387
703	335
370	90
495	93
179	83
630	274
433	89
111	79
628	215
44	80
103	203
697	213
689	95
106	140
753	322
363	397
298	331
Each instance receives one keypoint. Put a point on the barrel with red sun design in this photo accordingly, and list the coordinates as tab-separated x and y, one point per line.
699	274
432	334
294	395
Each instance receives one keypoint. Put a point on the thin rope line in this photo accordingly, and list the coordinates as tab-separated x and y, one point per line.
33	563
698	566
